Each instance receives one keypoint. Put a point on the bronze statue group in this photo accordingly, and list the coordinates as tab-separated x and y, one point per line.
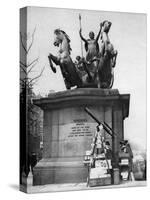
95	70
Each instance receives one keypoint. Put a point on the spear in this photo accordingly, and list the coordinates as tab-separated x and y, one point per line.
81	39
106	127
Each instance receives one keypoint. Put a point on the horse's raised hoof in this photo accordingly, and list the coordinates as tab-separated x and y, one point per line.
53	69
51	65
114	64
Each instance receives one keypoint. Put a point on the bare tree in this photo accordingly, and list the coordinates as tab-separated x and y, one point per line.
28	112
27	68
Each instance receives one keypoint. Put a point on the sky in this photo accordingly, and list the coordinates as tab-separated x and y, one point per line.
127	34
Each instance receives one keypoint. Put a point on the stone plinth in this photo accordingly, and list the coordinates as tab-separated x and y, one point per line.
68	131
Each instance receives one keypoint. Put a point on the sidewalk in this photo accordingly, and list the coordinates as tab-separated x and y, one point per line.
77	186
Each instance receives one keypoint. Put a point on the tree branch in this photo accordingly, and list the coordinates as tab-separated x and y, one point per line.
31	41
23	81
23	69
37	76
23	64
30	70
28	65
21	39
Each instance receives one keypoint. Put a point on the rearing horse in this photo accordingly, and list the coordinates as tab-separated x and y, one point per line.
64	60
107	58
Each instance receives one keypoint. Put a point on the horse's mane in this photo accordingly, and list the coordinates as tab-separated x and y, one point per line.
57	31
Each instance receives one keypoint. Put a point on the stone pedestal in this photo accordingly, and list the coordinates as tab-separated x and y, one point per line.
68	131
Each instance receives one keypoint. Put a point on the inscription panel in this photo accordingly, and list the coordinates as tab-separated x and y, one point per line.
79	129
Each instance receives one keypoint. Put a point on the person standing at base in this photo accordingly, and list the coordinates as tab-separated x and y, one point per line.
108	151
98	141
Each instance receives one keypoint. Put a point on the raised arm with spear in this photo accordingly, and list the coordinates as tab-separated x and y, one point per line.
81	39
91	44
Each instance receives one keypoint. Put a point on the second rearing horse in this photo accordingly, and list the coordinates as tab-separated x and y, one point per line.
107	59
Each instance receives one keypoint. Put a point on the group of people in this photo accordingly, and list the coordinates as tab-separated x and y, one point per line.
100	146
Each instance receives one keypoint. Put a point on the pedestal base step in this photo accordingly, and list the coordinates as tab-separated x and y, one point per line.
49	171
